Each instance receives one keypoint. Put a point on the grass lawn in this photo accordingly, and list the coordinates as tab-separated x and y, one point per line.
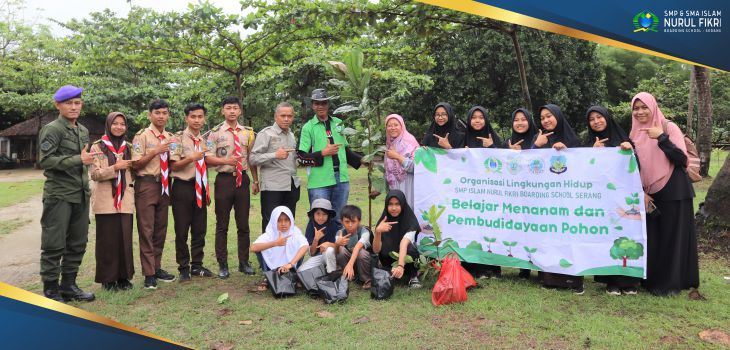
16	192
503	313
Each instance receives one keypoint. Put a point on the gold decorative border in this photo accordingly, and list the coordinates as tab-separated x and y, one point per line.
18	294
484	10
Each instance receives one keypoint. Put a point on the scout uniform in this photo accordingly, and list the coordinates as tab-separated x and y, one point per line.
152	197
190	200
279	180
231	190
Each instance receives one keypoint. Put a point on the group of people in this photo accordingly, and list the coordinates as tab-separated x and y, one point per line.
159	169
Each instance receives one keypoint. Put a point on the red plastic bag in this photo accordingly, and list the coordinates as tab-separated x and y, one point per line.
452	282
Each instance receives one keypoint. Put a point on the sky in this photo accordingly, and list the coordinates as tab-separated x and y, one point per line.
37	11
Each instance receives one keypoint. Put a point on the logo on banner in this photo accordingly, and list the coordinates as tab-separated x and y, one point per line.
646	21
493	165
514	165
558	164
536	166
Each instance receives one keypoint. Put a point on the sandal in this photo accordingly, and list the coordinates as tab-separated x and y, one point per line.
366	285
262	286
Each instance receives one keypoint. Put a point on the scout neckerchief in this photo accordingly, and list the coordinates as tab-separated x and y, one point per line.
237	154
118	181
201	176
164	172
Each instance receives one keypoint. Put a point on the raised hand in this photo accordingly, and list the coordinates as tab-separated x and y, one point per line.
283	153
330	149
343	240
486	141
443	141
385	226
163	147
516	146
542	139
600	143
319	233
653	132
281	241
86	157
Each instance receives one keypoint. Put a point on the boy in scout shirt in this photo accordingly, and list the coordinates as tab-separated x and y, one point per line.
65	221
150	156
230	144
190	195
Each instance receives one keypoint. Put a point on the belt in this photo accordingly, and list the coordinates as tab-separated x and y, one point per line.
230	174
186	181
148	178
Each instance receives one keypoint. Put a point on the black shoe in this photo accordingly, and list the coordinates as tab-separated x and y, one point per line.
50	291
524	274
223	271
630	291
150	282
184	276
613	290
124	284
200	271
163	276
110	286
70	291
246	268
578	290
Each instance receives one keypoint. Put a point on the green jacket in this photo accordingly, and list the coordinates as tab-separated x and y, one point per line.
60	146
313	138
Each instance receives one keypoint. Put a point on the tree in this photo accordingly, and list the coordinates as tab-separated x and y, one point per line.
625	248
704	124
713	218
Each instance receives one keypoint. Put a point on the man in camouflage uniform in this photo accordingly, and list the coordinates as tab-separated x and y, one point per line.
65	221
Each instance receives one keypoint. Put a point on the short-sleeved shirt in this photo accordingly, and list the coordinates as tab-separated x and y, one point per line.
184	148
145	142
221	139
275	174
60	157
313	138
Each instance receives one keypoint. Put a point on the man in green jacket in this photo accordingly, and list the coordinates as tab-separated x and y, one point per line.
65	222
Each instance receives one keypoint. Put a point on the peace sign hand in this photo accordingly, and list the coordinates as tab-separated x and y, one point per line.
516	146
486	141
600	143
542	139
653	132
443	141
385	226
319	233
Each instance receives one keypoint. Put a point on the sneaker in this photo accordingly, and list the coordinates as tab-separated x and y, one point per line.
414	283
124	284
630	291
200	271
150	282
578	290
110	286
163	276
611	290
246	268
223	270
184	276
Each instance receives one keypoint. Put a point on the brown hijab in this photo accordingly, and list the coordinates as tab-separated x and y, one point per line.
117	143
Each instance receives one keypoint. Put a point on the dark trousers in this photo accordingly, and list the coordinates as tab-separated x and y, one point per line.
114	257
363	266
273	199
228	196
152	207
64	233
188	217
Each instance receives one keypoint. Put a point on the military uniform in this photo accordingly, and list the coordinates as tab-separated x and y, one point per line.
188	215
65	219
150	202
227	194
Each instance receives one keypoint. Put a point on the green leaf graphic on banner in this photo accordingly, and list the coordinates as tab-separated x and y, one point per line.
626	152
565	263
447	181
463	159
427	157
632	164
611	186
618	228
474	245
593	161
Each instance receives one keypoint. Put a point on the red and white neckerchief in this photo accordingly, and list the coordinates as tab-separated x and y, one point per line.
237	153
164	171
201	176
118	184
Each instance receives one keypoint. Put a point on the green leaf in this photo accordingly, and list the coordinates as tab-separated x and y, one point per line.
223	298
618	228
611	186
626	152
447	181
593	161
633	165
349	131
565	263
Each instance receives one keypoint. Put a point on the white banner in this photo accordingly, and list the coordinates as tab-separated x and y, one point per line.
578	211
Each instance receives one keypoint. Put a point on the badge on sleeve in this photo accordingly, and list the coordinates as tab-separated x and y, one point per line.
46	146
136	147
210	144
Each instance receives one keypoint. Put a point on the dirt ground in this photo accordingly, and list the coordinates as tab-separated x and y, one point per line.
17	175
21	248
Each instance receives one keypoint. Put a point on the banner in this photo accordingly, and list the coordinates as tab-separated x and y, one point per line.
578	211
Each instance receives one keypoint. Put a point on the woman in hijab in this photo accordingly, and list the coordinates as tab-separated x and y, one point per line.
523	130
604	131
113	205
396	231
321	234
556	131
282	246
672	262
479	131
444	131
400	148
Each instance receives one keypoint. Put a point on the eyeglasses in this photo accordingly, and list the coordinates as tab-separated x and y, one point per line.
441	115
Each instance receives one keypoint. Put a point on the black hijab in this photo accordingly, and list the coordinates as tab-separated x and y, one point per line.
613	132
527	136
562	132
456	136
471	135
116	142
407	222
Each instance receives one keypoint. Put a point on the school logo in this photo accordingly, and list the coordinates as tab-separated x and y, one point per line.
536	166
514	165
493	165
173	147
136	147
646	21
558	164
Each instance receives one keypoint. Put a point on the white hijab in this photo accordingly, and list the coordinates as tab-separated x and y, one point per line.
276	257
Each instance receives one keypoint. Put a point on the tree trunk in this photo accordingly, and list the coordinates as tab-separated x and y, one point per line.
691	103
624	261
521	67
239	94
713	218
704	125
